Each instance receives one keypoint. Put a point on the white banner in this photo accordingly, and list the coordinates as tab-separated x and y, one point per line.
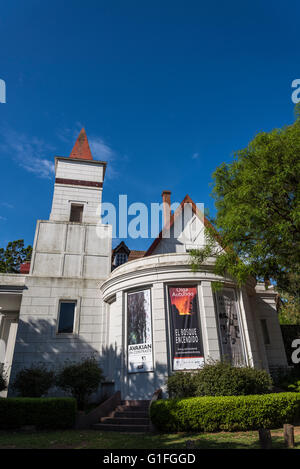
139	332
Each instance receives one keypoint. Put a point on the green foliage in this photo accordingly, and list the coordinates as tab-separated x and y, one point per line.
287	379
226	413
289	303
44	413
219	379
3	384
181	385
80	380
13	256
257	197
34	381
223	379
294	387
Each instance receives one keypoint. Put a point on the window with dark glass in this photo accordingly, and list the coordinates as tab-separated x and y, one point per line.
76	213
120	258
66	317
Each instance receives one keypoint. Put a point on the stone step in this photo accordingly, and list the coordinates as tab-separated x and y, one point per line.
121	428
131	408
131	413
136	403
125	421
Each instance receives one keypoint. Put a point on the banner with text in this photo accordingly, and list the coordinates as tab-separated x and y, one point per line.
139	332
186	336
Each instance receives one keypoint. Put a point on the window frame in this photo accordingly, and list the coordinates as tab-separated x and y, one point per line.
80	205
75	320
121	255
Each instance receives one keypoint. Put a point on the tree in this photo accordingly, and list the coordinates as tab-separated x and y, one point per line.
288	304
13	256
34	382
80	380
257	197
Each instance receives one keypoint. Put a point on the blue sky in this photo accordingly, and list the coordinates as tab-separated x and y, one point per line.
167	90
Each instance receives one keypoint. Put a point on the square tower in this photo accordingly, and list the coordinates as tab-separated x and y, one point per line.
62	315
78	185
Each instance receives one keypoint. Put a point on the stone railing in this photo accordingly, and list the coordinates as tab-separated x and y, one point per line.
103	410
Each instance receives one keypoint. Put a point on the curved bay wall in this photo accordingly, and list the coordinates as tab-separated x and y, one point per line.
157	273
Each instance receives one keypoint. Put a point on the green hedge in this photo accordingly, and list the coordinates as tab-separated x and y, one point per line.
219	379
225	413
42	412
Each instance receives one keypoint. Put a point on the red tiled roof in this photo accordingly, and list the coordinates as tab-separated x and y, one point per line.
81	149
25	268
136	255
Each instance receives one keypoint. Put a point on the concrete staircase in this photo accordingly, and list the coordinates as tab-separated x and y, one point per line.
130	416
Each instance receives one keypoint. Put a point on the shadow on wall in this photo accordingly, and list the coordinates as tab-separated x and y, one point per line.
271	335
37	343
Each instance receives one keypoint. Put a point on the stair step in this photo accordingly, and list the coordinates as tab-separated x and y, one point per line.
135	403
125	421
131	414
131	408
120	428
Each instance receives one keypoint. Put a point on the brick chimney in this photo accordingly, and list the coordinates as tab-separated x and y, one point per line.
166	196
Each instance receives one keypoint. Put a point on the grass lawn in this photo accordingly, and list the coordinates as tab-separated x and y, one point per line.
91	439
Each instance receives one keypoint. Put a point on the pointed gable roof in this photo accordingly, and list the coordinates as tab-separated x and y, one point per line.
186	200
81	149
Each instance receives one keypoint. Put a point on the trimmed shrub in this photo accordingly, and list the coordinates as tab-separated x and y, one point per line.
44	413
34	381
181	384
223	379
80	380
226	413
219	379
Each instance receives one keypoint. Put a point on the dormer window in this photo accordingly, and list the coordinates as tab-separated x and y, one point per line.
76	213
120	258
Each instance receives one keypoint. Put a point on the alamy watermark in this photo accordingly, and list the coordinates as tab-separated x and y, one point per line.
138	220
2	91
296	93
296	353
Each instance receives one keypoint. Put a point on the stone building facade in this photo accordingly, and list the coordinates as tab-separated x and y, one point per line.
142	315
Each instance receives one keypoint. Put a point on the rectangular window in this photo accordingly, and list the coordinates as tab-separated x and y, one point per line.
76	213
66	317
120	258
265	331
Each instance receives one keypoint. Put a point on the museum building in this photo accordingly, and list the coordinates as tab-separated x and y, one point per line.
141	314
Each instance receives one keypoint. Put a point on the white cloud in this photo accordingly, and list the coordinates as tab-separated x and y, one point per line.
103	152
6	205
195	156
29	152
3	218
100	150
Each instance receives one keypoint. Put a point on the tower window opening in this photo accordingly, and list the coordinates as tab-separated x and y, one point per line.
76	213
